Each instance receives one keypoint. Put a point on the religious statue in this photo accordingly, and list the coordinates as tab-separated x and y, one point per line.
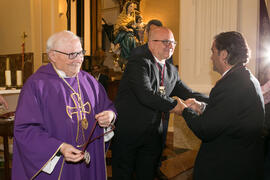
122	3
126	29
139	29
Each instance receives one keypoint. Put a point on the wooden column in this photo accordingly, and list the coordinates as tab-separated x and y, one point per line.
99	29
93	26
96	35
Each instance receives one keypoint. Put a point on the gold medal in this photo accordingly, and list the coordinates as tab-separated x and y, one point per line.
162	90
84	123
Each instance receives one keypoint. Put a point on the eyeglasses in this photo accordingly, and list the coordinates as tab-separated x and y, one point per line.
166	42
72	55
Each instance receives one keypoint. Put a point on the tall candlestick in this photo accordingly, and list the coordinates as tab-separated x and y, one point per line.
22	55
7	64
24	36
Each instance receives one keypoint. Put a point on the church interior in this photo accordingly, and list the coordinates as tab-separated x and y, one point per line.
26	26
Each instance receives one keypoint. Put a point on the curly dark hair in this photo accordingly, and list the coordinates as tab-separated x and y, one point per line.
235	45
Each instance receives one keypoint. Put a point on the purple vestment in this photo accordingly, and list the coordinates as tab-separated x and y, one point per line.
47	115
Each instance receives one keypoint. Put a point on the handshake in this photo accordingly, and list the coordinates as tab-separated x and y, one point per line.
192	103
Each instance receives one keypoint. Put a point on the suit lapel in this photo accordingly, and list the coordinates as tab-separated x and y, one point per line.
167	79
170	77
155	68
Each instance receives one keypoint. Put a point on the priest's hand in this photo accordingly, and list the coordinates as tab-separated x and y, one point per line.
70	153
105	118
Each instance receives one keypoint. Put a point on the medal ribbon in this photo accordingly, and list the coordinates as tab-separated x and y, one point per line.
161	83
162	72
91	133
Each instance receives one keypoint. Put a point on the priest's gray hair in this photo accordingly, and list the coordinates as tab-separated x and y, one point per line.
60	39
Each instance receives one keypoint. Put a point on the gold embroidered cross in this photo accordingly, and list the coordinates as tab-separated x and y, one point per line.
80	110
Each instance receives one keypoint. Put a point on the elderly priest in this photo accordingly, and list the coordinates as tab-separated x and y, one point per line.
61	118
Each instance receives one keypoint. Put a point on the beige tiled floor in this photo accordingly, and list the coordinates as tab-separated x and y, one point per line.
178	163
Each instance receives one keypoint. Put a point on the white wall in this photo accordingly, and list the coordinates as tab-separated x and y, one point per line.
248	25
200	21
38	18
15	19
45	20
167	11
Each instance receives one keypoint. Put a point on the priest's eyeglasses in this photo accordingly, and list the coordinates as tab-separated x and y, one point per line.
72	55
166	42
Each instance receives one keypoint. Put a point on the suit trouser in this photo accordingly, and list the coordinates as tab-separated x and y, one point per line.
140	158
165	124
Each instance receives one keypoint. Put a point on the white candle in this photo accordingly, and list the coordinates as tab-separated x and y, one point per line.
19	77
8	77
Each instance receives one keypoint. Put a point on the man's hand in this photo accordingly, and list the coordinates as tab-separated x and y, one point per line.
194	105
70	153
3	101
105	118
178	109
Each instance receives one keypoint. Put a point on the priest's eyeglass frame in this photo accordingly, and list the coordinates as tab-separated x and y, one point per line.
72	55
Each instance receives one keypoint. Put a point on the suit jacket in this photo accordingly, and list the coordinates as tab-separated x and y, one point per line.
139	103
230	129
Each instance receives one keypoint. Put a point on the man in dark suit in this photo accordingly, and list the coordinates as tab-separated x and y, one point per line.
143	100
231	125
141	51
266	95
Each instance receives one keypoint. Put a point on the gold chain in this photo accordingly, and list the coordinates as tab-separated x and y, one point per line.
80	95
80	99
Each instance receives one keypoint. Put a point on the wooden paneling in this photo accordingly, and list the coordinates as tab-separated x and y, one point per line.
16	64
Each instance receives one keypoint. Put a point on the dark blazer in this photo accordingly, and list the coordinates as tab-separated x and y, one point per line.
230	129
139	103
